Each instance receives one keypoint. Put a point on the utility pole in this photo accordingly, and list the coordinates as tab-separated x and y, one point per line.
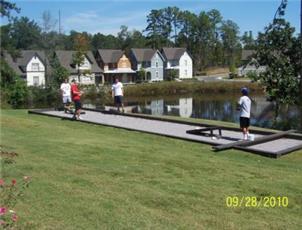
59	22
301	51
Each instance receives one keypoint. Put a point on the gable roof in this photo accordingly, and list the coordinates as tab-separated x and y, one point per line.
110	55
247	54
27	55
9	60
143	54
65	58
173	53
19	64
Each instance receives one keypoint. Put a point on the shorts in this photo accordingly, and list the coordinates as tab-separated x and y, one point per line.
66	99
118	99
77	105
244	122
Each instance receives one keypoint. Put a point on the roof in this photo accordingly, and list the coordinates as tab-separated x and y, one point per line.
173	53
143	54
110	55
27	55
19	64
9	60
247	54
66	60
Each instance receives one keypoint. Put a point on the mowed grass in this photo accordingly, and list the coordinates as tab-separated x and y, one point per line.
92	177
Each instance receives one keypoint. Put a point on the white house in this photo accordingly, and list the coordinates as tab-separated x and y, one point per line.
249	64
185	107
30	65
89	71
251	67
180	60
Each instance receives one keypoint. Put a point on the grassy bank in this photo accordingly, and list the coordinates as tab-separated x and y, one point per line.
190	87
93	177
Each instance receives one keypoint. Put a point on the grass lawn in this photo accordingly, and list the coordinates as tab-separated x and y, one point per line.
92	177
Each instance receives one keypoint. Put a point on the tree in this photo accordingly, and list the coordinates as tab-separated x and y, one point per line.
81	47
277	49
141	75
230	40
48	23
187	20
101	41
6	8
171	20
25	34
157	30
124	37
248	41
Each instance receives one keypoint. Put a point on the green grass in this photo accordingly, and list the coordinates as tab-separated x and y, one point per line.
93	177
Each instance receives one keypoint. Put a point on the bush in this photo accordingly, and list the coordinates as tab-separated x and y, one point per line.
17	94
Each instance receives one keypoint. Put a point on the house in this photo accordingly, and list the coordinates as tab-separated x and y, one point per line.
180	60
249	64
31	65
115	64
87	73
151	61
184	108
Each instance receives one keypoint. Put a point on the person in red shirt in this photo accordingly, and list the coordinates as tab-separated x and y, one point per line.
76	98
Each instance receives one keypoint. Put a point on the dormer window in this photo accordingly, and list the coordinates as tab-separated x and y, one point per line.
35	67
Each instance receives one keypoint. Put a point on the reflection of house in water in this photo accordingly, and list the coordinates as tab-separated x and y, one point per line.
183	109
156	107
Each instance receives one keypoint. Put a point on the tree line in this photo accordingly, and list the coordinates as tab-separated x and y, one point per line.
211	40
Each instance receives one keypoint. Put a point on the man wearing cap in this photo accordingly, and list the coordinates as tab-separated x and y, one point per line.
76	97
244	105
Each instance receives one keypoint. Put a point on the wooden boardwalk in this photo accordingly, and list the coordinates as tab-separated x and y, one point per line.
178	129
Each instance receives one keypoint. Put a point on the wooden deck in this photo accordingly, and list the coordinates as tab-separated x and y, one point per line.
279	145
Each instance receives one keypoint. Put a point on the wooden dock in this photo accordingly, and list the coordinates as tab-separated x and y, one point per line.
265	143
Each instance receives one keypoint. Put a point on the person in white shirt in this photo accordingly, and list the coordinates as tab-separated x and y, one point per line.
244	105
66	95
118	93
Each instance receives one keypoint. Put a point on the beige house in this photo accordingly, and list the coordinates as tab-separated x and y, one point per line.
115	64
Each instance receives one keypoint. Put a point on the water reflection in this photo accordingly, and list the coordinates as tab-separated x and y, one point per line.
213	107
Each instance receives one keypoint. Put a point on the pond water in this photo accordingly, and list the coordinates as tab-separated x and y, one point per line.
213	107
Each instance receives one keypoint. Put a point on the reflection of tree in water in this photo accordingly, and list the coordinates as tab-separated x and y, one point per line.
288	117
214	110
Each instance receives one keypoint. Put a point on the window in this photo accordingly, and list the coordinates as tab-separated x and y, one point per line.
36	81
186	62
156	64
156	74
186	72
35	66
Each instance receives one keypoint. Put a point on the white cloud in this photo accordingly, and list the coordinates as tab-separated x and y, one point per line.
94	22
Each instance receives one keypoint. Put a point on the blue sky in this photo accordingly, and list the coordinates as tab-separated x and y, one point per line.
107	16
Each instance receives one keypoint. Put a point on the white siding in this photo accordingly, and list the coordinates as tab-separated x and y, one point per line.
88	79
86	65
185	107
35	69
185	66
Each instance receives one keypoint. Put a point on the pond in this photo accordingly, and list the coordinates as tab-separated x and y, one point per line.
214	107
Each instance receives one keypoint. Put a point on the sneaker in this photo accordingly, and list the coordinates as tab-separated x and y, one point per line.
80	118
